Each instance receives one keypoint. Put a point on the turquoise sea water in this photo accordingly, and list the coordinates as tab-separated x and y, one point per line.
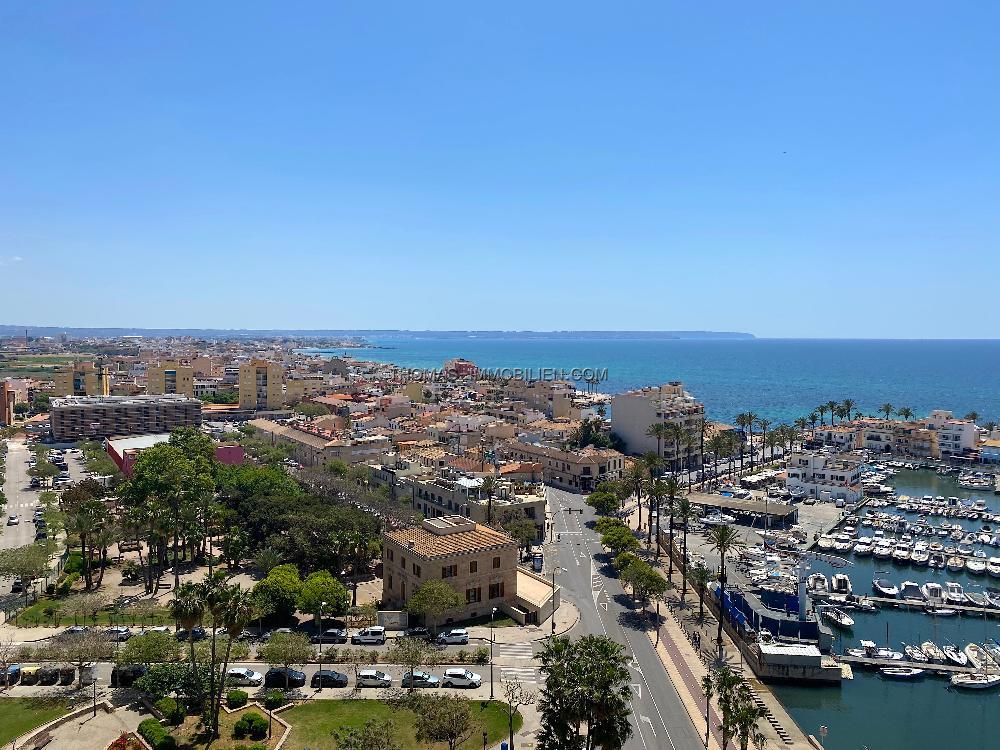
780	378
877	713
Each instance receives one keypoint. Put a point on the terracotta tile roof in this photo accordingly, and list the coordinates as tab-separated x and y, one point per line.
429	545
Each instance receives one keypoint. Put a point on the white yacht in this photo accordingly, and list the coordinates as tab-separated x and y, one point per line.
901	552
840	584
910	590
933	592
955	594
975	566
817	585
993	567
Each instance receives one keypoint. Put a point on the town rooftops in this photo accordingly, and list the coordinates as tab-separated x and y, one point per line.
137	443
449	535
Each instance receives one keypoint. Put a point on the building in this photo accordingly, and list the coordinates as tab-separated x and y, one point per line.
7	397
633	412
843	437
578	471
96	417
449	495
300	386
170	377
82	379
314	446
824	476
124	451
956	437
989	452
260	385
479	562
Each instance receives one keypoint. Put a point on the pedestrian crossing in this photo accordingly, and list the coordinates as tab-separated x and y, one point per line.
521	674
514	650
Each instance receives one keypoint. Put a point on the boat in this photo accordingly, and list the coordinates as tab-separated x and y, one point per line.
975	681
937	560
920	557
993	567
977	599
838	617
992	599
840	584
932	651
910	591
979	657
817	585
860	603
940	611
885	588
955	656
863	548
933	592
954	594
902	673
901	553
825	542
717	519
956	563
870	650
913	653
975	566
882	549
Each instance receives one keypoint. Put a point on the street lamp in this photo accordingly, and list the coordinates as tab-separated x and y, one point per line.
555	570
321	632
492	641
485	737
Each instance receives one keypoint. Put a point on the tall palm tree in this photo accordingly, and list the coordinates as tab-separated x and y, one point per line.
972	416
708	689
745	717
671	486
832	408
653	462
690	441
635	480
700	576
886	409
724	539
751	422
764	424
215	598
700	426
905	412
657	430
822	410
716	446
489	488
813	419
675	433
240	610
685	514
187	608
657	491
726	684
848	405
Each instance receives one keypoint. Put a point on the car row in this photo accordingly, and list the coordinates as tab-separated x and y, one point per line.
286	677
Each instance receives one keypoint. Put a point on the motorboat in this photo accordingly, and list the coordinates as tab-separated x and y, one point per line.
860	603
913	653
932	651
993	567
870	650
933	592
979	657
842	543
940	611
976	599
956	564
717	519
825	542
817	585
885	588
937	560
955	655
975	681
838	617
882	549
954	594
992	599
901	553
910	591
840	584
920	557
975	566
863	548
902	673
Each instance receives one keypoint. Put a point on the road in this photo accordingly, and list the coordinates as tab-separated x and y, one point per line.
659	720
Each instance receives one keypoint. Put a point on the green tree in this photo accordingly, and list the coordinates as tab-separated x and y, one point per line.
311	410
515	695
700	576
671	487
606	523
187	608
412	653
286	649
604	503
278	593
685	515
374	734
635	480
489	488
725	540
444	718
886	409
238	611
432	600
584	704
619	540
26	563
21	408
519	526
148	648
322	590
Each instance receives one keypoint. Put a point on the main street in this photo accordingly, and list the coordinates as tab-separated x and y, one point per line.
659	720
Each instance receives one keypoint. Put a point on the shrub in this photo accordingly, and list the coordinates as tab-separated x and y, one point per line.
74	563
170	709
481	655
462	655
251	724
236	698
273	699
153	732
67	584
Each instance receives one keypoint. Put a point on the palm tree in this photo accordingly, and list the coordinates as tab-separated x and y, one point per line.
724	539
187	608
716	446
746	714
700	426
690	441
905	412
989	426
972	416
886	409
671	486
832	408
726	686
848	405
635	480
653	462
708	689
751	422
657	430
700	576
841	412
239	612
685	514
215	598
764	424
822	410
657	491
675	433
814	417
489	488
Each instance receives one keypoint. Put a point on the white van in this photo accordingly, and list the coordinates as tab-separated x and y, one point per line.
371	635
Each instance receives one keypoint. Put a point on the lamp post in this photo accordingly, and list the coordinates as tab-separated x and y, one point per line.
321	632
555	570
485	737
492	641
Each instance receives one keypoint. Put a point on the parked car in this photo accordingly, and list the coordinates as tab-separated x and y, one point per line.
245	635
419	678
330	635
373	678
459	636
197	634
13	520
269	633
371	635
460	677
118	633
17	586
325	678
41	536
418	631
126	674
29	675
281	677
74	630
154	629
13	674
243	677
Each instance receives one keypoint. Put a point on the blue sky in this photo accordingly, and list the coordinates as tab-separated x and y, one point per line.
787	169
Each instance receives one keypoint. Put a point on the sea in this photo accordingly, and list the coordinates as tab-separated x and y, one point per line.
780	379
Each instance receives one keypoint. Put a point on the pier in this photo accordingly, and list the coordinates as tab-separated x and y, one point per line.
867	661
964	609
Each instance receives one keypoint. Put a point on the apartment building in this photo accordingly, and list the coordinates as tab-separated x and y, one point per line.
261	386
7	397
956	437
82	379
449	493
989	452
824	476
96	417
170	377
633	412
900	438
479	562
300	386
842	437
313	446
577	471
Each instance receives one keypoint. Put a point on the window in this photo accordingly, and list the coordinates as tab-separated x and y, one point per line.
473	596
390	583
496	590
473	567
449	571
416	570
402	563
389	553
402	589
496	563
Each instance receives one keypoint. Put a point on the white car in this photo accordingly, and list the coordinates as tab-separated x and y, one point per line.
459	677
458	636
373	678
13	520
118	633
374	634
242	677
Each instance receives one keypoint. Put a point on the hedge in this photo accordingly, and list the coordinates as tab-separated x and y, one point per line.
252	724
236	698
153	732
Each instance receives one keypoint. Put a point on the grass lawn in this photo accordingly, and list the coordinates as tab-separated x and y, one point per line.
36	615
188	738
314	721
19	715
500	621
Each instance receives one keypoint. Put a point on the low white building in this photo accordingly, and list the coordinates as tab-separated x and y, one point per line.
824	476
955	436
